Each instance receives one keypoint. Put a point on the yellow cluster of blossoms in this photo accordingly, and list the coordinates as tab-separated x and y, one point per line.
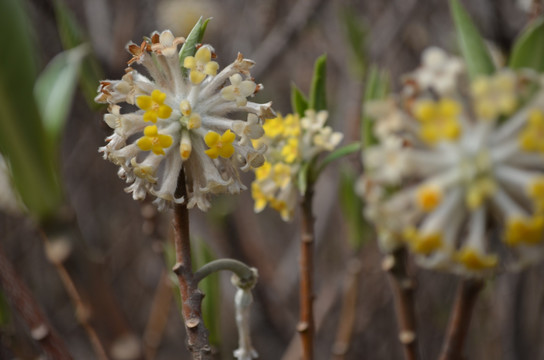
180	115
458	174
291	142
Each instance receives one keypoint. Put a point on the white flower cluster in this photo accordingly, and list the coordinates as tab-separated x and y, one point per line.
181	115
457	174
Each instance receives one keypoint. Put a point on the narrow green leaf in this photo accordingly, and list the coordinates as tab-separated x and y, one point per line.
304	177
338	153
22	136
318	91
55	88
299	103
71	36
529	48
377	87
194	38
211	304
356	34
471	44
352	208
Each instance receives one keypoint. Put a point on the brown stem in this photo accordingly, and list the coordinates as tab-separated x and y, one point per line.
306	326
403	292
82	310
191	296
467	292
22	300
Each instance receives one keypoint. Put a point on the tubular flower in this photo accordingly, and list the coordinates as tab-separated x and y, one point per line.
452	169
290	142
181	119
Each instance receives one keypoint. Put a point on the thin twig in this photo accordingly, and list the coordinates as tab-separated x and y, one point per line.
57	255
22	300
348	312
158	316
306	326
403	291
466	296
191	296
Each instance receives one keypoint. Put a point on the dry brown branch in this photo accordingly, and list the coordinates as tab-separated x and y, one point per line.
467	292
23	302
158	316
57	253
349	310
306	326
403	291
191	296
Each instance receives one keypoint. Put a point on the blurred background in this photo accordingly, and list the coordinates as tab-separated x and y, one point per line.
118	258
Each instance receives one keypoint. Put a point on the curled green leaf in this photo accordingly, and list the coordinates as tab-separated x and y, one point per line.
318	91
529	48
55	88
193	39
299	103
471	44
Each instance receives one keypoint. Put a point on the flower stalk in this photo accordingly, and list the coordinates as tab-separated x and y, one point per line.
191	296
466	296
306	326
403	292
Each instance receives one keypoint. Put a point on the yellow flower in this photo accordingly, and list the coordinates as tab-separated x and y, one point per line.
200	65
473	260
532	137
439	120
154	106
423	244
259	197
290	150
273	127
154	141
495	95
524	230
220	145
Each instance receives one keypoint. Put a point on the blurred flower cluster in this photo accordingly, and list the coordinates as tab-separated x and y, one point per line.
457	173
291	142
184	114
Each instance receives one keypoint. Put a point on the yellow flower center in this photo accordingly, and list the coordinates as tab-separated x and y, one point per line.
429	197
532	137
154	141
422	244
473	260
220	145
438	120
521	230
154	106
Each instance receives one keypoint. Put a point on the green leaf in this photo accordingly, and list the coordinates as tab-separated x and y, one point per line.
55	88
356	34
529	48
318	91
338	153
71	36
299	103
194	38
23	141
211	304
377	88
303	177
471	44
352	208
